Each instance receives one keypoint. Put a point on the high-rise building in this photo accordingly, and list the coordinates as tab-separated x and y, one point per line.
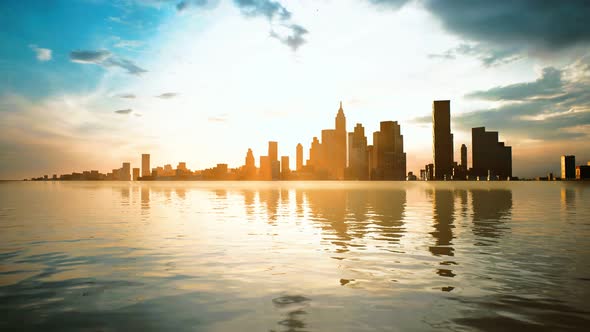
285	169
125	173
489	156
464	157
265	168
340	144
442	148
145	165
273	151
568	167
275	170
583	172
358	156
315	153
391	158
299	158
135	173
250	166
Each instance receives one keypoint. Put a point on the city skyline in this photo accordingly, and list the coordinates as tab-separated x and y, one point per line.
202	81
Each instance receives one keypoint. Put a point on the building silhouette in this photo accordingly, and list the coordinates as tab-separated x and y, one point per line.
299	157
145	165
135	173
442	147
358	156
250	166
265	170
389	158
583	172
490	157
285	170
125	172
464	158
273	151
568	167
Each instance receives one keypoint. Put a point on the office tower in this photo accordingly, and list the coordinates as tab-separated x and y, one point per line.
145	165
250	166
568	167
442	148
370	152
583	172
489	157
285	170
275	169
328	151
299	158
358	156
125	174
464	157
340	144
135	173
389	151
349	142
315	153
273	151
265	171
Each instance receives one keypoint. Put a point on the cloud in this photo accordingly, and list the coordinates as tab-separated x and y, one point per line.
504	30
42	54
182	5
129	44
488	56
550	83
284	30
105	59
292	38
555	106
125	111
167	95
126	95
267	8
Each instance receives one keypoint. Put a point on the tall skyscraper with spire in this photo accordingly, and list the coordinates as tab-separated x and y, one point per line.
340	136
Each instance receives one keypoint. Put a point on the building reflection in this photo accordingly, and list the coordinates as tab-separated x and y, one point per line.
443	205
388	208
568	198
293	308
490	209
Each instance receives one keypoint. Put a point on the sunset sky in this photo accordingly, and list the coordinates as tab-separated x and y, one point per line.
88	84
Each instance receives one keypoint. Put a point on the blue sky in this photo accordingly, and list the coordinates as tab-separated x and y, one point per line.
87	84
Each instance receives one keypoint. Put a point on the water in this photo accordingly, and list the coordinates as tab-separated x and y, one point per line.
315	256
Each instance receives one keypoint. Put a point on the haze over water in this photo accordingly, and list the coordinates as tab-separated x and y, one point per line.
294	256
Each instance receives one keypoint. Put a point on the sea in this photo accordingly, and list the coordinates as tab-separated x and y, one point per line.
294	256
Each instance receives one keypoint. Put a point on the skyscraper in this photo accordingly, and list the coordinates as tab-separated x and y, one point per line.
135	173
265	170
464	157
299	158
358	155
315	153
389	151
145	165
250	166
285	170
442	148
488	155
340	144
125	173
273	151
568	167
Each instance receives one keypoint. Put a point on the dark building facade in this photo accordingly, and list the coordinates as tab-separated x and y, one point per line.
442	148
358	156
489	156
568	167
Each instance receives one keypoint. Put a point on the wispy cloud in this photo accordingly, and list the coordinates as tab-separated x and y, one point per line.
42	54
105	59
167	95
218	118
125	111
487	55
126	96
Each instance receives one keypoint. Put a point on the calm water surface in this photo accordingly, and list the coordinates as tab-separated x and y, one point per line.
322	256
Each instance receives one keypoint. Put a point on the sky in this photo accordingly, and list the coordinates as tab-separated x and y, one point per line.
88	84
